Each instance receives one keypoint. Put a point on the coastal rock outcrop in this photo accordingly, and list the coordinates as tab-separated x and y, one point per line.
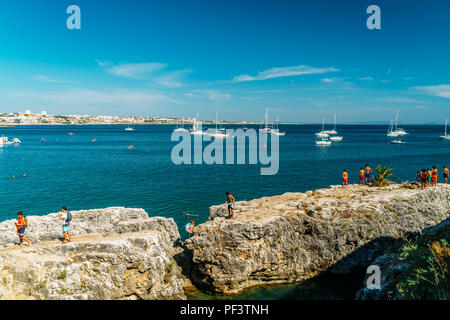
295	236
116	253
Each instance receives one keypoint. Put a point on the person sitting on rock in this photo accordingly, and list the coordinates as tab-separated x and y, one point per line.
65	218
21	225
191	229
230	202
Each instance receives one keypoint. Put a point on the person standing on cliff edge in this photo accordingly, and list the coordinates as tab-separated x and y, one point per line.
21	224
344	179
65	218
230	202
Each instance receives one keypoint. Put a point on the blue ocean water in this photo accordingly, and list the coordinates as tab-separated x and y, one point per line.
71	170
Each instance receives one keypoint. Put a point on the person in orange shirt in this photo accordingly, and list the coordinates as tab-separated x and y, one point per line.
434	176
344	179
230	201
20	226
361	176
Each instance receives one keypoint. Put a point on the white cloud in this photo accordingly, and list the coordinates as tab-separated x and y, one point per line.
102	63
214	95
283	72
173	79
442	90
136	70
44	78
74	99
366	78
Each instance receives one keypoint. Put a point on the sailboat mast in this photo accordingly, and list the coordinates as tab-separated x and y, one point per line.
334	122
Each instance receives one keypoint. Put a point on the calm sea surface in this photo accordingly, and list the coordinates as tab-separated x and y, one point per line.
72	170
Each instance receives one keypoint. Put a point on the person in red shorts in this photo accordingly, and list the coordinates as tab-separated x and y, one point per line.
344	179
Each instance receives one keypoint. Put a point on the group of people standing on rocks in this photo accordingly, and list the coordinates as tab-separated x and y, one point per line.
429	177
364	176
64	216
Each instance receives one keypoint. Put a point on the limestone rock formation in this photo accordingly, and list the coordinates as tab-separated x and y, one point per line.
296	236
116	253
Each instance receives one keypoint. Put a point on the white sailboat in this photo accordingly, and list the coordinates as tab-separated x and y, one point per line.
276	131
266	128
196	127
181	128
334	129
391	132
324	141
323	133
445	136
333	133
217	133
399	131
128	128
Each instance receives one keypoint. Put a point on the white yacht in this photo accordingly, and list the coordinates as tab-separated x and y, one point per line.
276	131
129	128
216	133
196	127
391	132
323	133
266	128
324	141
445	136
397	141
180	128
398	131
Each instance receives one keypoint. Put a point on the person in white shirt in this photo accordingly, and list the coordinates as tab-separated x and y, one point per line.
65	224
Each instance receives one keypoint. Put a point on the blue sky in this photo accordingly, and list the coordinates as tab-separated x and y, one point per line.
304	60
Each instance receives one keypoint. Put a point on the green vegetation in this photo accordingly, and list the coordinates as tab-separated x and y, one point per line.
426	275
383	176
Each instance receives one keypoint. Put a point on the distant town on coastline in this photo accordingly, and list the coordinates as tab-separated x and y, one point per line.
29	118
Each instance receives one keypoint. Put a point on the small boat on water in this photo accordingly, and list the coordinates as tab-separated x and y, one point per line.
70	133
336	138
129	128
180	128
196	128
217	133
324	141
323	133
275	130
397	141
445	136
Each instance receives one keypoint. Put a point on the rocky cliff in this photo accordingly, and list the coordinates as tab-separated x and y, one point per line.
116	253
296	236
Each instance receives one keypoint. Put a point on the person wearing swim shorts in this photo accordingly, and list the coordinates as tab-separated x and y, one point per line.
230	202
434	176
65	224
21	225
424	178
344	179
367	174
445	174
361	176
